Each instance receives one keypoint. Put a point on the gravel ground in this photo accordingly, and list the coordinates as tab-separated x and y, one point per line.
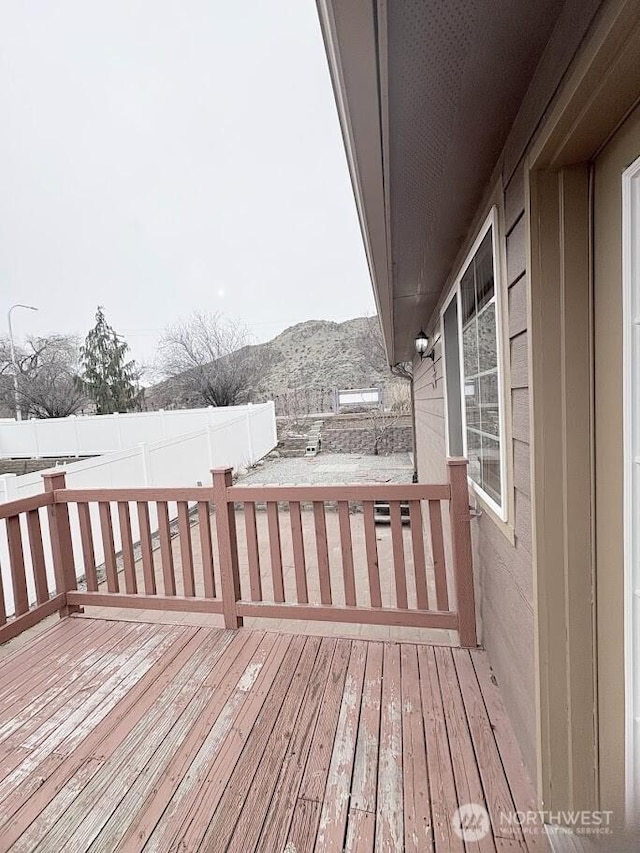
332	468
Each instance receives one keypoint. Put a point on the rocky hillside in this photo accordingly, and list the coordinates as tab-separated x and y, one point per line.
314	356
321	354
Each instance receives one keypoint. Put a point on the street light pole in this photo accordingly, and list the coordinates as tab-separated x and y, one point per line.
14	362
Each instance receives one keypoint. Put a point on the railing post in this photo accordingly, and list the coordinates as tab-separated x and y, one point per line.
461	551
61	543
227	546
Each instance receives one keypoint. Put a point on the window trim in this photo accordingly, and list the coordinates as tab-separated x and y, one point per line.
491	222
443	310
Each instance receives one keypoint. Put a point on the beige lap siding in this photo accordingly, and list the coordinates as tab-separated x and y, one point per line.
506	568
503	569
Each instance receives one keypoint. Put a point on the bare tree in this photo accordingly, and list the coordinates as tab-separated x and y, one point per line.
209	360
7	401
48	377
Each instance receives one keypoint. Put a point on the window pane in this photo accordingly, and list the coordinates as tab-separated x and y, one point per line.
489	406
472	403
470	349
487	341
491	467
474	456
468	294
483	262
480	387
452	364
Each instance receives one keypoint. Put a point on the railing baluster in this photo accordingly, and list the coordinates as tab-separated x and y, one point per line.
37	556
166	553
299	561
398	555
253	551
275	547
146	549
419	561
439	566
16	562
3	610
346	546
130	580
227	546
186	550
322	550
371	549
206	549
106	527
88	551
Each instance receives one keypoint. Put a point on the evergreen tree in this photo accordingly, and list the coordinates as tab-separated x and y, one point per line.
109	379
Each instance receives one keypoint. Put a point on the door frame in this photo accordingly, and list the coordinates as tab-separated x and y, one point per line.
598	93
631	451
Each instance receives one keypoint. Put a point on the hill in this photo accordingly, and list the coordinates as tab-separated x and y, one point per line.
314	356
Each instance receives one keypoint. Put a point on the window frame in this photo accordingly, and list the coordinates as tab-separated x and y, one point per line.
490	223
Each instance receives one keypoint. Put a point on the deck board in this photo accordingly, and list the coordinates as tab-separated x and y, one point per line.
147	737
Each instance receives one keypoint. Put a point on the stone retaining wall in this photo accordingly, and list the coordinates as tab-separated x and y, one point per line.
393	439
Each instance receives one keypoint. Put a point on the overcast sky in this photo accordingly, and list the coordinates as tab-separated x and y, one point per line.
159	156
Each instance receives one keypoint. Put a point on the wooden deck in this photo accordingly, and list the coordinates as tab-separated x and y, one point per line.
139	736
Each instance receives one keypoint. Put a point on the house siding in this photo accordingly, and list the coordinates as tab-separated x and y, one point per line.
503	552
506	567
503	562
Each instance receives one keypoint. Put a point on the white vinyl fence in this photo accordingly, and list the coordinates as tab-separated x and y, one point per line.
184	460
92	435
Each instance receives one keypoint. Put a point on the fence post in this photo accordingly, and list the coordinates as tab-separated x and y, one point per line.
247	416
36	444
211	445
274	422
9	486
461	551
76	436
227	546
145	461
61	544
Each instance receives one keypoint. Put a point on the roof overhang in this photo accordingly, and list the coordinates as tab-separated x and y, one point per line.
426	91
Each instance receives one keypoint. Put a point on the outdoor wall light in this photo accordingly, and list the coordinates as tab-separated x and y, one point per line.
422	345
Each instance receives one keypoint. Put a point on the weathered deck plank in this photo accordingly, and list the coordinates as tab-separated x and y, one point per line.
389	812
365	769
418	837
41	811
222	793
278	818
442	790
232	662
255	803
144	737
333	818
465	769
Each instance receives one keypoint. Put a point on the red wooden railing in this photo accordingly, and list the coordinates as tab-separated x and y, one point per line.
294	560
39	581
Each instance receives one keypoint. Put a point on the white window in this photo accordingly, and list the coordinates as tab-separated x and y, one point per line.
474	399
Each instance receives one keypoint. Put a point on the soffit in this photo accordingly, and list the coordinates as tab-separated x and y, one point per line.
457	73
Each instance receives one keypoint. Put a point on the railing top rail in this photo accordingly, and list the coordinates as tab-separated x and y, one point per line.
189	493
260	493
351	492
11	508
